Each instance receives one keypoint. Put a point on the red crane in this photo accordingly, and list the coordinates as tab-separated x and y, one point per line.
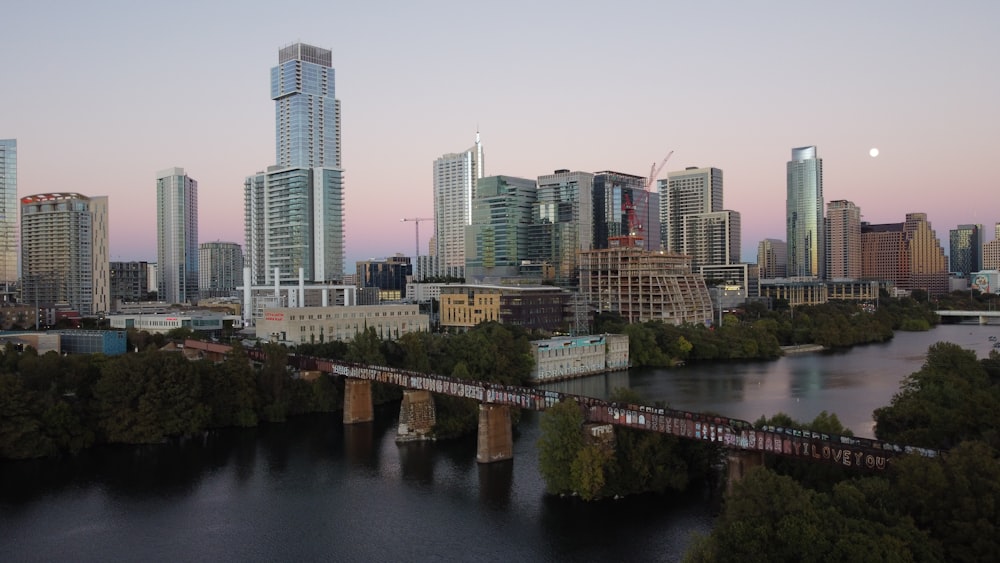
635	228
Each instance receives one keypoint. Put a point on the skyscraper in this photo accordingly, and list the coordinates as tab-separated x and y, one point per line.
772	258
177	236
499	237
966	249
907	254
8	213
455	177
220	269
294	212
64	251
623	207
564	223
804	214
711	239
686	192
843	240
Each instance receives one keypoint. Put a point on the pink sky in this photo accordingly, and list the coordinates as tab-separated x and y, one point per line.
102	95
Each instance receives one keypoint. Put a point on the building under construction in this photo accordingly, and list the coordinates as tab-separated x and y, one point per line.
643	285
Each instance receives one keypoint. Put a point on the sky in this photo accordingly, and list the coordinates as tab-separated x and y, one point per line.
101	95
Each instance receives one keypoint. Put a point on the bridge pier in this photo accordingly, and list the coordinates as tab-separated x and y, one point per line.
983	320
358	401
416	416
739	462
496	440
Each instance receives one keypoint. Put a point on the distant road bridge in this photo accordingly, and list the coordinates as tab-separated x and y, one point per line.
983	316
495	442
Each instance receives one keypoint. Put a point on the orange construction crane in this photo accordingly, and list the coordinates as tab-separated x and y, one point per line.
416	221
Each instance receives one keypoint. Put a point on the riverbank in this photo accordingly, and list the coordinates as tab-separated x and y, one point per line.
802	348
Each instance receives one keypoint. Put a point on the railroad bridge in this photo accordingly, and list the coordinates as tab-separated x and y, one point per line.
745	444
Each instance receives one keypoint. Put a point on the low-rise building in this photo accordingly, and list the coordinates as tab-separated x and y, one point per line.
578	356
464	306
107	342
203	322
300	325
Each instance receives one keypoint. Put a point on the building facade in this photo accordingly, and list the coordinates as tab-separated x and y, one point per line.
294	211
177	236
804	214
455	179
645	286
965	249
991	251
908	255
302	325
464	306
623	207
220	269
498	240
843	240
64	252
563	224
687	192
8	215
578	356
388	277
129	283
772	258
711	239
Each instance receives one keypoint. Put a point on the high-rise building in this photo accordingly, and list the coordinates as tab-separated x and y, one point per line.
991	251
907	254
64	252
129	282
686	192
177	236
294	211
8	213
843	240
804	214
623	208
455	177
498	240
563	224
772	258
220	269
966	249
711	239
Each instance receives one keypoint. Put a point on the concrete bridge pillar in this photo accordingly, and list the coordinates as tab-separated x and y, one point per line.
416	416
983	319
739	463
496	440
358	401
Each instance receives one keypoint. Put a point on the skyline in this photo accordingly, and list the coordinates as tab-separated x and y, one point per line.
562	85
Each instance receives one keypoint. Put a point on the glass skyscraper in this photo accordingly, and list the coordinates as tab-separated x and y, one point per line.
455	177
966	249
294	212
8	212
804	214
177	236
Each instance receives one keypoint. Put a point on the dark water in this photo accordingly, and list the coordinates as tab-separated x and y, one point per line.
315	490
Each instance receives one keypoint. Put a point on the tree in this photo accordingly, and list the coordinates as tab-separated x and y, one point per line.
560	442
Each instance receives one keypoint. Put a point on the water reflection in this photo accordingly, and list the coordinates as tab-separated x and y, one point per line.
600	386
495	482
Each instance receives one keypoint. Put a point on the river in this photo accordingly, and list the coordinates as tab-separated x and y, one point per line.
312	489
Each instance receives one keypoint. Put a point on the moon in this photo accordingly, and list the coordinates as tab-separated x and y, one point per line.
873	152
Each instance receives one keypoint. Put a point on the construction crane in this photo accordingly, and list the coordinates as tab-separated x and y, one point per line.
416	221
634	228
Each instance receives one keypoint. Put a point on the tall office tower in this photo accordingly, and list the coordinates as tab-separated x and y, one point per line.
294	211
991	251
711	239
907	254
177	236
455	177
772	258
623	207
8	214
686	192
843	240
220	269
498	239
966	249
804	214
564	224
64	252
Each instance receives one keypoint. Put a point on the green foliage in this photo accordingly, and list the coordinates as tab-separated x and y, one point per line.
560	442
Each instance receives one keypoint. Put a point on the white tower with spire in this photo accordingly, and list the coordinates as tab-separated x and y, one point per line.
455	178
